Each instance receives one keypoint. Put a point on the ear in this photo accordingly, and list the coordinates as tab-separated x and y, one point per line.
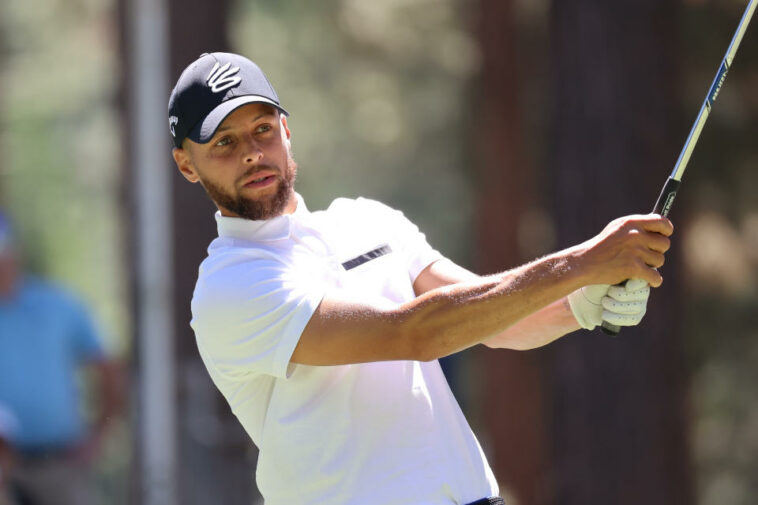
285	128
184	164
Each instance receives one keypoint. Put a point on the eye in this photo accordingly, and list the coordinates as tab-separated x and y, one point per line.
224	141
263	128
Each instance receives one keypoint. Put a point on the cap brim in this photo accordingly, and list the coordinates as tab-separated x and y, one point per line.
203	131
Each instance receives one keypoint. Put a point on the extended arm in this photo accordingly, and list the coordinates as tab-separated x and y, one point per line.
537	329
448	318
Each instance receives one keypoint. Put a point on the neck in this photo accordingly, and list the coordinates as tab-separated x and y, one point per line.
291	204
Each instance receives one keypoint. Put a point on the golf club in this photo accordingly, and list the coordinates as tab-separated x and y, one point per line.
668	193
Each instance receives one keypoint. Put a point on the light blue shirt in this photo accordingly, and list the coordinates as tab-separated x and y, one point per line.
45	334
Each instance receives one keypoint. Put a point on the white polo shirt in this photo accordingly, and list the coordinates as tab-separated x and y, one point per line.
386	433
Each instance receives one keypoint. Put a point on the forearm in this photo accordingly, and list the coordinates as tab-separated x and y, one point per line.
445	318
448	319
538	329
111	394
449	315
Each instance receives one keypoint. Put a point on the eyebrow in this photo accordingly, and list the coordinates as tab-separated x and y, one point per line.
224	128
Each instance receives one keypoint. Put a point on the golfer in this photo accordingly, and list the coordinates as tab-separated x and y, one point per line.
322	329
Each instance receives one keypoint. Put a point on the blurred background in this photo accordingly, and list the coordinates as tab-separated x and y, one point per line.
504	129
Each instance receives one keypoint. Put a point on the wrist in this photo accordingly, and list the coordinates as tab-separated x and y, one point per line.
574	267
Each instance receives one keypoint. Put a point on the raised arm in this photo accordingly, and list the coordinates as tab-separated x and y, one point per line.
448	318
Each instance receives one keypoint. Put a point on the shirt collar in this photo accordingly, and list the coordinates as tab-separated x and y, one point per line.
275	228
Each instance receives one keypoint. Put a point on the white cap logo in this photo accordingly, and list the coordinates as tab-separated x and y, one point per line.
172	121
222	77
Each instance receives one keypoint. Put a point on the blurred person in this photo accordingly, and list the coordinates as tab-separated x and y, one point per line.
46	338
323	329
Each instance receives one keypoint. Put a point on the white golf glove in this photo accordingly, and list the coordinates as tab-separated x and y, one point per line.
623	305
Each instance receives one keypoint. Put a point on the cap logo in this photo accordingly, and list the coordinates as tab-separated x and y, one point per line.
172	121
222	78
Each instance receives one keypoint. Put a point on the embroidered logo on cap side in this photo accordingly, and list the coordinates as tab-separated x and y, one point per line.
222	78
172	121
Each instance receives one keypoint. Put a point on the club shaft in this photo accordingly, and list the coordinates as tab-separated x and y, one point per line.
668	193
713	92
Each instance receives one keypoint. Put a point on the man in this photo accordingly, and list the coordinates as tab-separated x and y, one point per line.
45	337
323	329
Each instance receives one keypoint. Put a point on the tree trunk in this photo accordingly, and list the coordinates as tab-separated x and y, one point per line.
513	399
619	430
216	451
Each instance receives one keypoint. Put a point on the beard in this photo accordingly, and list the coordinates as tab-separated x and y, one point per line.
256	210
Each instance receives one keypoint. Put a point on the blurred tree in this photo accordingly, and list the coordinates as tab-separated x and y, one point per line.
213	448
619	432
717	220
512	409
60	142
2	60
214	452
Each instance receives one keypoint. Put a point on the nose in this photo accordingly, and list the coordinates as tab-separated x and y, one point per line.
253	153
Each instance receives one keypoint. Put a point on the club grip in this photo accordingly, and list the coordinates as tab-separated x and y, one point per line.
666	198
662	206
610	329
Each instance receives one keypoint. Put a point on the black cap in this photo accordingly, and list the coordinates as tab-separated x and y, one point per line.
210	89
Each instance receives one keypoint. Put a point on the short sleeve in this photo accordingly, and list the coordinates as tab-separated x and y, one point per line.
416	251
83	333
248	317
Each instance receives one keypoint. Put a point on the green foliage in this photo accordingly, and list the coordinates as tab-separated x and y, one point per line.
59	173
375	92
60	162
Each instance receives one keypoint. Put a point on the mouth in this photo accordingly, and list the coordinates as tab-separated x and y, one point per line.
260	180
